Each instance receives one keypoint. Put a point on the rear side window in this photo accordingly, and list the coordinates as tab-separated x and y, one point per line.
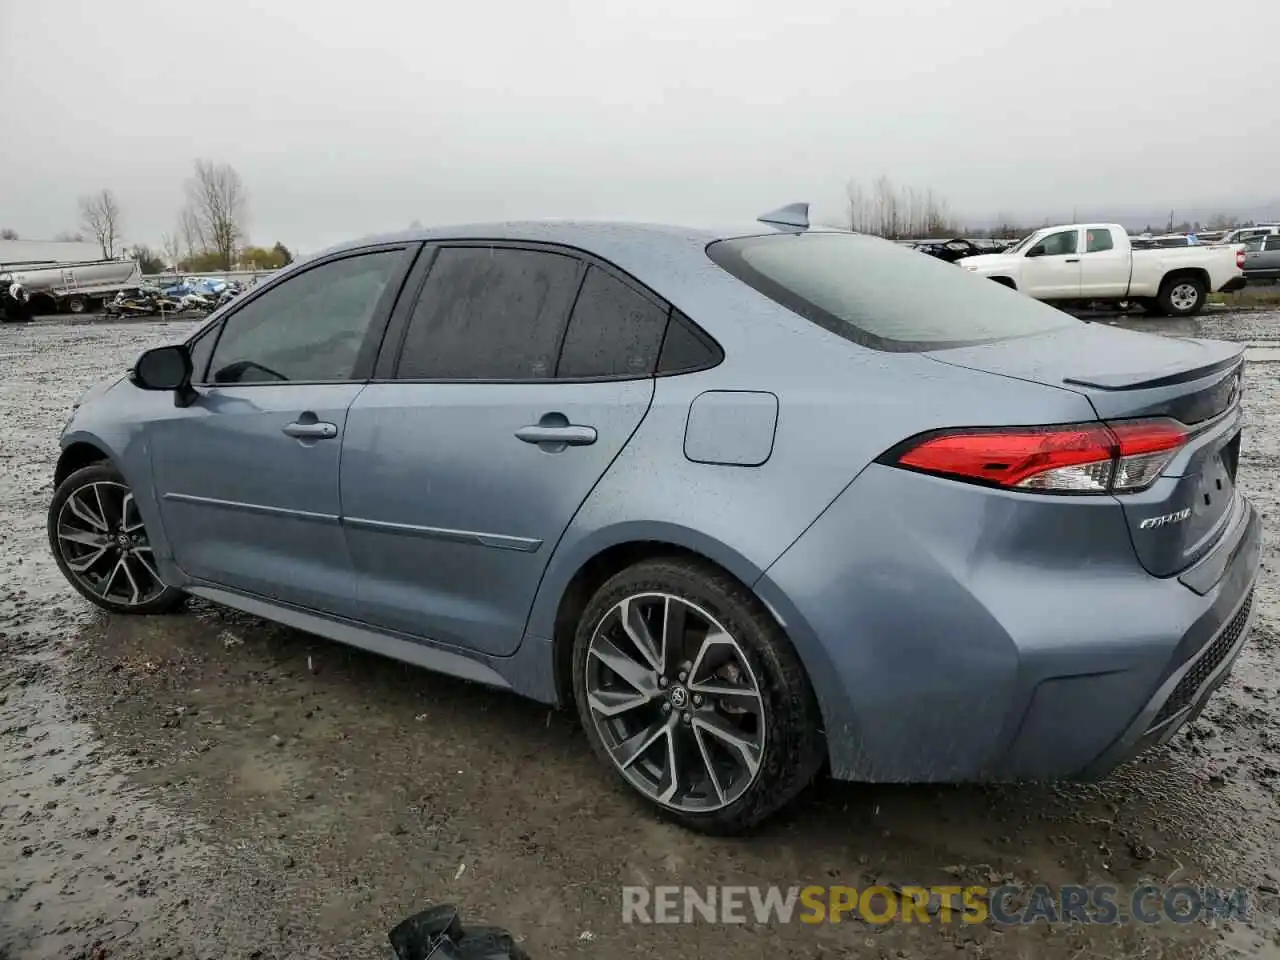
686	348
489	313
615	330
880	295
1098	240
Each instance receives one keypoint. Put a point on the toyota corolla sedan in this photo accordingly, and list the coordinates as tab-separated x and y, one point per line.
756	501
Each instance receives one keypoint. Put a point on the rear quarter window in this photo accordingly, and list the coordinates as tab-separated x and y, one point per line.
879	295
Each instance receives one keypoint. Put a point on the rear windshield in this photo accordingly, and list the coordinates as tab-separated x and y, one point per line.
881	295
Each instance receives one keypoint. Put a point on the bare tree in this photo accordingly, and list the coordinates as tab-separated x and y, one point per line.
8	233
171	248
189	231
859	212
100	215
217	206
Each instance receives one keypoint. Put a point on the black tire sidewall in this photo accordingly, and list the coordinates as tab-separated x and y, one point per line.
1166	293
793	746
169	600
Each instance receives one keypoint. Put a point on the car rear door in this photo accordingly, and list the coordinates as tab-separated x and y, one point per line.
247	473
1104	265
511	379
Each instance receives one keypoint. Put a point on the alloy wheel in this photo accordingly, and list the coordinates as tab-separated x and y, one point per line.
675	702
104	544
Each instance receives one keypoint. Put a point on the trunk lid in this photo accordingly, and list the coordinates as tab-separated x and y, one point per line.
1127	375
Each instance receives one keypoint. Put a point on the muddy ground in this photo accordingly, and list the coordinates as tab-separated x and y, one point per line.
209	785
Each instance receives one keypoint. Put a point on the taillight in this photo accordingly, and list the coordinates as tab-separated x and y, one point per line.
1240	258
1119	457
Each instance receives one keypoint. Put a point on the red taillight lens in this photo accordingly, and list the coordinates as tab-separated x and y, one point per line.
1240	258
1076	458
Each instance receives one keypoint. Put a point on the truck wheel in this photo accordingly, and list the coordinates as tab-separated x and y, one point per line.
78	304
1181	296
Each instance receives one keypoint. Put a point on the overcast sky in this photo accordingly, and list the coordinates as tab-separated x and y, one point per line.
346	118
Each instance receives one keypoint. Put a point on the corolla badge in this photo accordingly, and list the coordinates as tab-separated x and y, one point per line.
1152	522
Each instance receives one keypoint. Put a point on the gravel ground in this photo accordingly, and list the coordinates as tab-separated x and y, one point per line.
209	785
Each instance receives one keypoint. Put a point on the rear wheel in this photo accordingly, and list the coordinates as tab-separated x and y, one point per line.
689	689
78	304
1181	296
101	544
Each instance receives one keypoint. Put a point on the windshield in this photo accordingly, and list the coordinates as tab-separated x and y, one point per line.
880	295
1017	247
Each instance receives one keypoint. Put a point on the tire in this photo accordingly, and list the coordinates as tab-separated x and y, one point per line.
751	688
1181	296
91	511
78	304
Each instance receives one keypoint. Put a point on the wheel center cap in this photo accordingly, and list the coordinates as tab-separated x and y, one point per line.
679	697
122	539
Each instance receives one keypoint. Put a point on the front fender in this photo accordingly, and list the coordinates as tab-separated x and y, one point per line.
127	451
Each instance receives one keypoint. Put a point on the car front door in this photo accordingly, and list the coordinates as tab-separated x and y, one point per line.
247	472
1104	269
1051	268
468	456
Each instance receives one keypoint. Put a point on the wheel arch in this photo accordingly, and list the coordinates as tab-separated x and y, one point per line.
569	585
605	556
1187	273
1005	282
77	455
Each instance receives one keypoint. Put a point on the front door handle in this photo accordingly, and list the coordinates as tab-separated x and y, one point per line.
1073	260
570	434
316	430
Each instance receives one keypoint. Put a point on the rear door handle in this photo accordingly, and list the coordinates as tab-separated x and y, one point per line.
315	430
570	434
1073	260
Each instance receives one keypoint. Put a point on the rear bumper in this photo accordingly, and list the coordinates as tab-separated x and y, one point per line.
944	645
1234	284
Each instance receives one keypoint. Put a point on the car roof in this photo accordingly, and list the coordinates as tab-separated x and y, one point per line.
590	235
668	258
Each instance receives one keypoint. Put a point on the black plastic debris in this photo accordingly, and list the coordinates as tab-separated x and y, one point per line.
437	934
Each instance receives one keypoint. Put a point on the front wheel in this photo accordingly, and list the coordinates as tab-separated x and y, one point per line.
690	690
1181	296
101	544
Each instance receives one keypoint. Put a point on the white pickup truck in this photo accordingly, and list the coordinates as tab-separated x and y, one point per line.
1085	262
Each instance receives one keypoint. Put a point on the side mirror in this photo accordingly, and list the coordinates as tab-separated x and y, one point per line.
163	368
1036	251
166	368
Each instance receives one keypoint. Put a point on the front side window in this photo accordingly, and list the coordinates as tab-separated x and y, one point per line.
614	331
309	328
489	313
1097	241
881	295
1060	243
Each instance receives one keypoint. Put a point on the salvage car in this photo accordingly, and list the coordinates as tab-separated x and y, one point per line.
1097	262
757	501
